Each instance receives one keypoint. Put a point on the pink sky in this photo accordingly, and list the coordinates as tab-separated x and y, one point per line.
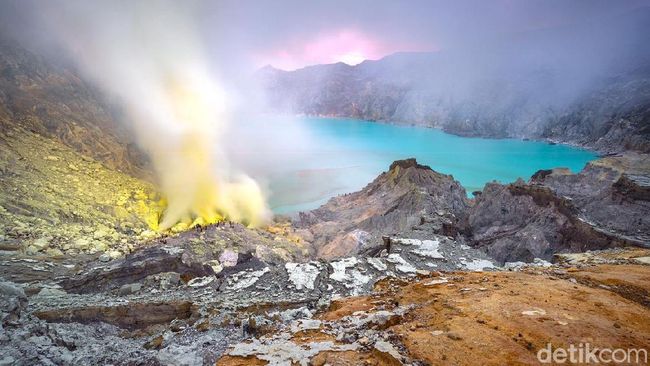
347	45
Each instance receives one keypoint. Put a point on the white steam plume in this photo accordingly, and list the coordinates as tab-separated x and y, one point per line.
149	55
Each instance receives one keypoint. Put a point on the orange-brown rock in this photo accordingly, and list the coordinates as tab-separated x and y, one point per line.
497	318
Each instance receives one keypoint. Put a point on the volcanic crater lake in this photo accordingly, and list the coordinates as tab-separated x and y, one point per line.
324	157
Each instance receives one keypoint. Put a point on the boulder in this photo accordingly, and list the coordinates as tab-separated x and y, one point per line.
12	302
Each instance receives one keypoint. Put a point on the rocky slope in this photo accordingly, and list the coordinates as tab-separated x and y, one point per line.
586	84
226	293
611	193
56	201
612	118
51	100
519	222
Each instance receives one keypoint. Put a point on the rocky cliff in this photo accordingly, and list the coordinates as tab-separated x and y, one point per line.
50	99
586	84
606	205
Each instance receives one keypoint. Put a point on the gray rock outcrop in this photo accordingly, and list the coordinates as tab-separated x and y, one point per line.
407	195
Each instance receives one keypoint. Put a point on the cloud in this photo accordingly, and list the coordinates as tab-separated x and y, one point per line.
238	34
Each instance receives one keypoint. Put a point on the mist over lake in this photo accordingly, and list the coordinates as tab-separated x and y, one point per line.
331	156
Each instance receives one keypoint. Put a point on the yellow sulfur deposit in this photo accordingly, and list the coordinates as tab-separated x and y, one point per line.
197	186
65	201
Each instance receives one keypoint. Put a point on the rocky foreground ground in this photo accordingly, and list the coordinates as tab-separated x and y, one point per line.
468	318
418	303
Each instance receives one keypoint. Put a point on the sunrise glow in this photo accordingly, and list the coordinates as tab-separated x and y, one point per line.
348	46
352	58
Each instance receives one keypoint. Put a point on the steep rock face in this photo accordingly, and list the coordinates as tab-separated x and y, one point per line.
604	205
406	195
519	222
611	194
53	101
613	118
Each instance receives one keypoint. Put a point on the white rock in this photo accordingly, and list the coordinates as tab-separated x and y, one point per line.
172	250
200	281
305	324
377	264
245	279
338	273
478	265
435	282
429	248
353	279
642	260
228	258
404	241
303	275
514	265
534	312
282	351
386	347
541	263
400	264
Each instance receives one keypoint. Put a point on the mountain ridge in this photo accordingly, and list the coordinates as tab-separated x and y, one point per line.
536	86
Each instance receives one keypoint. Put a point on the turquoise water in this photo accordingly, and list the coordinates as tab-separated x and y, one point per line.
314	159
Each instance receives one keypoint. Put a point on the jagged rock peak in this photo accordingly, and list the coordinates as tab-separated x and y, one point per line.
408	163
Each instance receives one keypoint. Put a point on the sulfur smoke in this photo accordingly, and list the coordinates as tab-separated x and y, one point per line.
150	57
